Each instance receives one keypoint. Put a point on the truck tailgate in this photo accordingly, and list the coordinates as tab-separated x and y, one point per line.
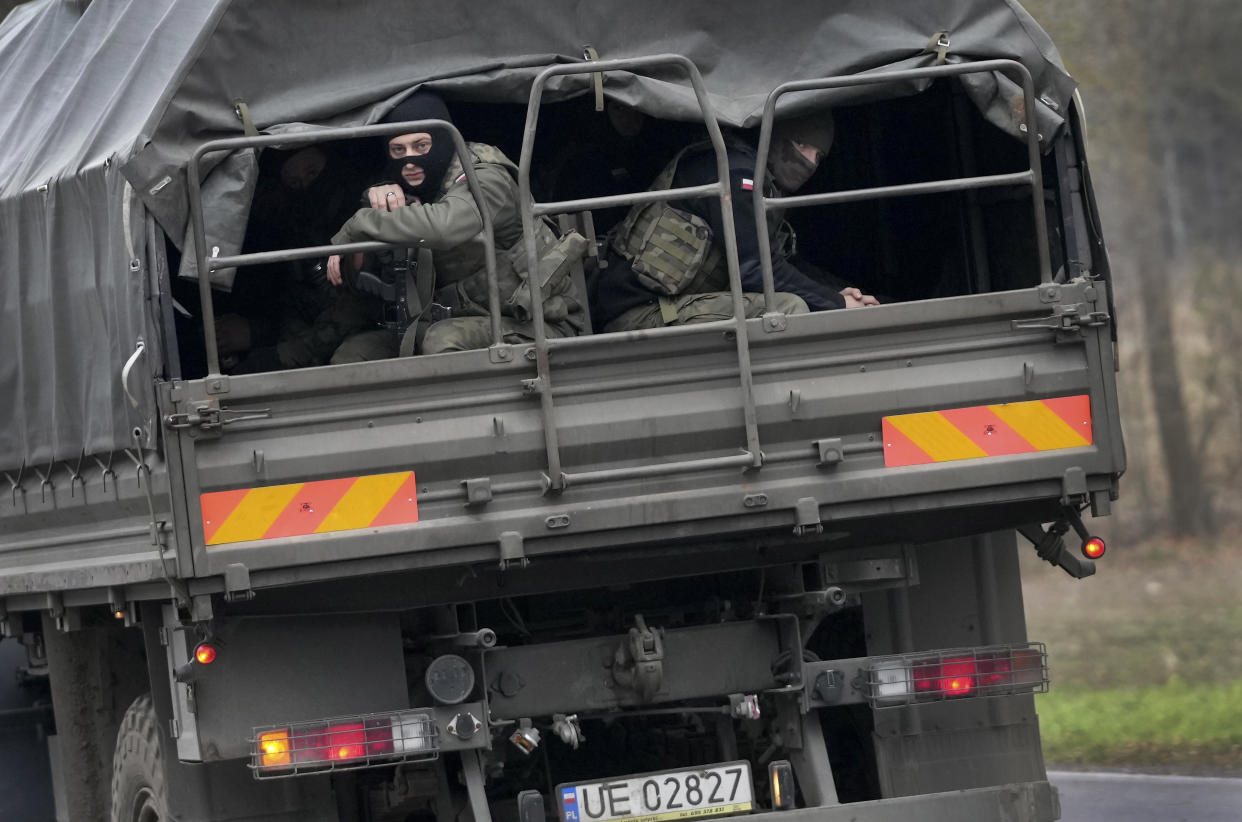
444	459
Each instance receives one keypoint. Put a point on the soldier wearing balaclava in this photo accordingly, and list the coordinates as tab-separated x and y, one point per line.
666	265
426	202
798	147
422	105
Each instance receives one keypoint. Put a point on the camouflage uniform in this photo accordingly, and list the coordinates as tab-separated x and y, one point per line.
666	261
451	227
702	308
321	326
296	319
306	323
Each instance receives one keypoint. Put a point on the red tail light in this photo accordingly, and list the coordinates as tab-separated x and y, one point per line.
1093	548
353	740
349	742
346	741
962	672
950	677
995	671
343	741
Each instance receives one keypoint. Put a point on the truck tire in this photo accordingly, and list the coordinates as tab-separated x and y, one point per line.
139	787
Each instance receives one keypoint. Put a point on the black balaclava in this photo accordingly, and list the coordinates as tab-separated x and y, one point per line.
422	105
790	170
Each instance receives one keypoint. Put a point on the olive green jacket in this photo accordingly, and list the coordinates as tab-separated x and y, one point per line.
452	228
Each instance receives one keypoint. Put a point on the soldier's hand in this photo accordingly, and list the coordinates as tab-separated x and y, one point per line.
232	335
334	267
386	197
854	298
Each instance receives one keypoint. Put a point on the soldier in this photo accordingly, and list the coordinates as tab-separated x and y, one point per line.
666	263
285	315
427	202
618	151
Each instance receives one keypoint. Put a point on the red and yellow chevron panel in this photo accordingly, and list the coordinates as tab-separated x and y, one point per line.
987	431
309	508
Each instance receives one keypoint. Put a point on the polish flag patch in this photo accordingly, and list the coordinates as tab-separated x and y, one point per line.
748	185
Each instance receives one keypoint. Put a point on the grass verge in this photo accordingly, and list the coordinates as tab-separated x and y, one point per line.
1173	726
1145	658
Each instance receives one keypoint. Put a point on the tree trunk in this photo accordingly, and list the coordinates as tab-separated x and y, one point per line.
1154	185
1189	506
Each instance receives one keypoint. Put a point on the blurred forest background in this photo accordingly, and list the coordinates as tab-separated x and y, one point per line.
1146	656
1160	82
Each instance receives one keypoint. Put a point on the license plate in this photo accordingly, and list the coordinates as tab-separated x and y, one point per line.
713	790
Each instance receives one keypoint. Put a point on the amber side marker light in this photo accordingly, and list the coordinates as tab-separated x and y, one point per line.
274	748
781	782
1093	548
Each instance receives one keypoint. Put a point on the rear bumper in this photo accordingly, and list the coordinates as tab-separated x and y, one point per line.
1015	802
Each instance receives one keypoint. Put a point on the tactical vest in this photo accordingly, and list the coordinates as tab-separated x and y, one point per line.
467	295
672	251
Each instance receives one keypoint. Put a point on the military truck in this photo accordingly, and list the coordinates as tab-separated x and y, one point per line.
761	566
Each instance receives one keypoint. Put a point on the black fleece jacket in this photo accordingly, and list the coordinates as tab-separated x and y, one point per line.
617	289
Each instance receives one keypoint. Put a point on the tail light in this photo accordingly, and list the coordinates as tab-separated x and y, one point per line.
1093	548
932	676
205	653
956	676
337	744
274	748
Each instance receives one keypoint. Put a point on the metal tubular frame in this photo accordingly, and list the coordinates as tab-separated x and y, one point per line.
208	264
530	209
1033	177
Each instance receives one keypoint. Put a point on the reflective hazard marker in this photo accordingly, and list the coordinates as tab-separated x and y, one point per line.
309	508
987	431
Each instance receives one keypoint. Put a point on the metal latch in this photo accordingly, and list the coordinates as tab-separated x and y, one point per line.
1067	318
209	416
237	583
806	516
512	550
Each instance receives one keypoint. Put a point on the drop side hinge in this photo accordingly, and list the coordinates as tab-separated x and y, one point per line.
209	416
1068	319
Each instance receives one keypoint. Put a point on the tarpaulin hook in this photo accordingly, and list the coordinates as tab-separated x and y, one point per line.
939	45
243	113
16	483
75	475
105	468
46	480
597	77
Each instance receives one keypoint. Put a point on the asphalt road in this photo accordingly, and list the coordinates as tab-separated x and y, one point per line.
1127	797
25	775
